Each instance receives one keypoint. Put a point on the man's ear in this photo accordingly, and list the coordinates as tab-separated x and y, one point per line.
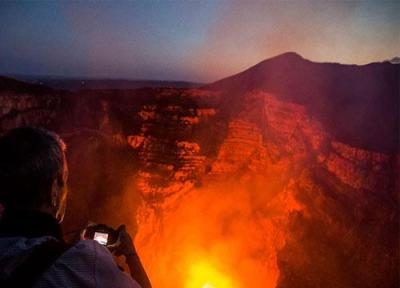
54	193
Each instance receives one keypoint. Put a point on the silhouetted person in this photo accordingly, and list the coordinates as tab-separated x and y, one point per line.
33	193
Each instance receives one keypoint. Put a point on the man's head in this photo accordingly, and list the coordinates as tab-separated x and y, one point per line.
33	171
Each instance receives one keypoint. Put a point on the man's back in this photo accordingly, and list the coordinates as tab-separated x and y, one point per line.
86	264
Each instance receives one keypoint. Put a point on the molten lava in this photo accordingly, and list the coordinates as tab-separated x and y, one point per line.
211	240
204	275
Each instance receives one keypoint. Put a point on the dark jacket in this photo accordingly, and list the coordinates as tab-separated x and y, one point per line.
85	264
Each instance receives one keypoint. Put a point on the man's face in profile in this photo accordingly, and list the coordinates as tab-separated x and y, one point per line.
62	203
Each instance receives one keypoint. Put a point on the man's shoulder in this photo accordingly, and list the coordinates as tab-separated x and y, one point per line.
85	264
85	254
14	251
88	248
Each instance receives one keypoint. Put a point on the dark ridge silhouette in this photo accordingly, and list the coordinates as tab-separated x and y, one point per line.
75	84
16	86
358	105
394	60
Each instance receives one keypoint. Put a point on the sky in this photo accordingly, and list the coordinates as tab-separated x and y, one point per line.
199	41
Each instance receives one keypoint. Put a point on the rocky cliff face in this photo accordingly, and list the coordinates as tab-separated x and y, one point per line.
237	188
24	104
301	185
171	160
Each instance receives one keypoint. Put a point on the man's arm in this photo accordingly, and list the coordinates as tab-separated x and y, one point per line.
127	249
137	270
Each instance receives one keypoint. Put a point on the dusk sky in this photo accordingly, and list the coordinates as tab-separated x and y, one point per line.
199	41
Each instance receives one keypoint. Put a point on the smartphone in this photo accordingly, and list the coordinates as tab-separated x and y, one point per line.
101	237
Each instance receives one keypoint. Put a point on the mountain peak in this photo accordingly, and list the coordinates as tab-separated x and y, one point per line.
325	89
288	55
282	60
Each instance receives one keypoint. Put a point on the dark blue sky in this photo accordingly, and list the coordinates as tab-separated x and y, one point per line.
188	40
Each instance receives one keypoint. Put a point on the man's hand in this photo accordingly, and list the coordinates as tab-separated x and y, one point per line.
124	245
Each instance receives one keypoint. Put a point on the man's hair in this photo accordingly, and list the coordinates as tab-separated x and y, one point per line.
30	160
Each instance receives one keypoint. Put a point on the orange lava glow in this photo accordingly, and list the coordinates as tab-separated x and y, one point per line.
210	240
204	275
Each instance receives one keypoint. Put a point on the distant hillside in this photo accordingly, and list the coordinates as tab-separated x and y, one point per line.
16	86
75	84
357	104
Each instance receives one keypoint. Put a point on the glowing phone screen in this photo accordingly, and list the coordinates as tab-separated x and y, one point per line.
100	237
